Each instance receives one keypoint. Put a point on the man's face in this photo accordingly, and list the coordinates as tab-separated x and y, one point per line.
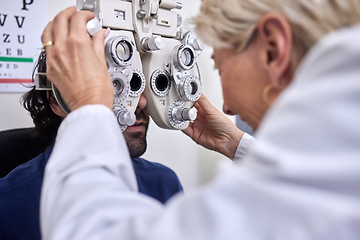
135	135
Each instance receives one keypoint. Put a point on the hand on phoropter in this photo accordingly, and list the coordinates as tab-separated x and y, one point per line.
75	62
214	130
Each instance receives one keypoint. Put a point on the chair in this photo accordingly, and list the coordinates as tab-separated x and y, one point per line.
17	146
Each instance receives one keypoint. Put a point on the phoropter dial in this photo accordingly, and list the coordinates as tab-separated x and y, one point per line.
160	82
121	87
184	56
190	88
137	83
124	117
120	50
178	114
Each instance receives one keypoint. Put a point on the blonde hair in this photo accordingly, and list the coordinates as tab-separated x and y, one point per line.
232	23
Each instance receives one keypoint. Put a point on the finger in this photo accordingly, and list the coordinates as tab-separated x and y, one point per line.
204	103
98	44
188	131
78	23
61	25
45	37
47	33
199	109
203	100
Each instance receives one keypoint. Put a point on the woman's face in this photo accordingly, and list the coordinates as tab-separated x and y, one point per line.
243	81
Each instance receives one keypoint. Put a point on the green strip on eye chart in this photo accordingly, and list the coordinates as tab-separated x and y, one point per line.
15	59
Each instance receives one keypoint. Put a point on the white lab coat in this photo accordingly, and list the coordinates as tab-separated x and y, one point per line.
301	180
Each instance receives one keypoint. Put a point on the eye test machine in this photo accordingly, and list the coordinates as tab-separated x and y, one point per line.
147	52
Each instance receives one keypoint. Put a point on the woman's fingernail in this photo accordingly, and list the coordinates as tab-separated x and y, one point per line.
107	32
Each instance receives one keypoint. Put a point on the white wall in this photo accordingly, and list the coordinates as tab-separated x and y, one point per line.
193	164
12	114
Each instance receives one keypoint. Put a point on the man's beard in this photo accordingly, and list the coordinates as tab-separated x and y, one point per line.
136	141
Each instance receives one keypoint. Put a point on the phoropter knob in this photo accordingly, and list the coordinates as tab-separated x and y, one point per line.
181	114
93	26
152	44
126	118
189	114
88	5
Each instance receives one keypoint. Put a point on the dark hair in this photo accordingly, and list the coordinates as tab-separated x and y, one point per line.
37	102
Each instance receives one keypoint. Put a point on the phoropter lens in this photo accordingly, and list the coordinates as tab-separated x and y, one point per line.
135	82
184	57
161	82
190	88
193	88
187	57
124	50
118	87
120	50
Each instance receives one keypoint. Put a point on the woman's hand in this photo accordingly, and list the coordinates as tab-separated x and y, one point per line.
214	130
75	62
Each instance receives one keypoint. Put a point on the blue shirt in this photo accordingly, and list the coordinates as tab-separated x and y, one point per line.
20	193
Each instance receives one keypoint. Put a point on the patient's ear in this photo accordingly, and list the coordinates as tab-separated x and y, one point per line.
55	107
